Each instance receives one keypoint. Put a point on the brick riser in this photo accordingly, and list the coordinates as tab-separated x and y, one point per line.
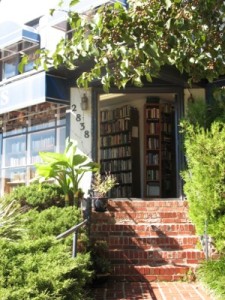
148	240
155	257
147	273
143	217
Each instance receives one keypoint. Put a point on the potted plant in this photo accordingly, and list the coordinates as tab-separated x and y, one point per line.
101	185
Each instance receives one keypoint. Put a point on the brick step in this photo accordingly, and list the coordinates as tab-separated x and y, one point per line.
148	240
149	273
147	205
126	217
142	230
157	256
149	243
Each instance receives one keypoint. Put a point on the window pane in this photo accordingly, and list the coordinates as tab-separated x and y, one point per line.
10	68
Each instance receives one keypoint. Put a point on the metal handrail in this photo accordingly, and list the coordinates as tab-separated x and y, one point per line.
74	230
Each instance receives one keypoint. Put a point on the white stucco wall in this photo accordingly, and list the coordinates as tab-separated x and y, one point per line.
81	130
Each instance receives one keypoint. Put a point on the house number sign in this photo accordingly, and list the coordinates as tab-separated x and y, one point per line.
79	120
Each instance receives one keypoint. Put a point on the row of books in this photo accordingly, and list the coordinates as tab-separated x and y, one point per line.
118	139
124	178
152	159
166	127
116	165
42	144
153	128
17	147
16	161
152	113
114	127
166	154
153	143
121	191
118	152
152	174
119	112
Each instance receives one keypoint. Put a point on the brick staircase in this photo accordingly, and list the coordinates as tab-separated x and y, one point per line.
148	240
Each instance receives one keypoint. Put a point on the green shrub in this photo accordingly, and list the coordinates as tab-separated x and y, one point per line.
211	273
51	221
41	270
40	196
205	177
40	267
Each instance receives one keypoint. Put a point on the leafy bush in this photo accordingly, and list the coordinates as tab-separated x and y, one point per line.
40	267
205	178
40	196
211	273
51	221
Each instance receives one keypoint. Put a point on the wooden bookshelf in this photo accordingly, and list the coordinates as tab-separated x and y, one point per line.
119	149
158	150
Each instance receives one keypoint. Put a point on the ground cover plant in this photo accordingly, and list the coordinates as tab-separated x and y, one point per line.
36	265
212	274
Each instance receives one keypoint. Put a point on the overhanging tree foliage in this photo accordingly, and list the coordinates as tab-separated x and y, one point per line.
129	44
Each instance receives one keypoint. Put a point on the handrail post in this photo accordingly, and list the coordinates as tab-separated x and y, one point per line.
74	252
73	230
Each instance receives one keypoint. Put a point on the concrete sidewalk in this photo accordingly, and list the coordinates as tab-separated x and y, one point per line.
151	291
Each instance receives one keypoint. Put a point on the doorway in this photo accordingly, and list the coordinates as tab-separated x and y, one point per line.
139	142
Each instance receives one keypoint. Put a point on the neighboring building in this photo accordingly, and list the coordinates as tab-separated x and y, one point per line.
134	133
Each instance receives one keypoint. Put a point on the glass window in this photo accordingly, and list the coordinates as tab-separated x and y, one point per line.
10	68
20	151
42	141
32	56
10	61
15	151
13	177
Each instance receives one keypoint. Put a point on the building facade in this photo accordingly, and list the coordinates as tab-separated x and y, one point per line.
134	134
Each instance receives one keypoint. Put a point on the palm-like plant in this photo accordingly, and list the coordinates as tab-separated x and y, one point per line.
66	168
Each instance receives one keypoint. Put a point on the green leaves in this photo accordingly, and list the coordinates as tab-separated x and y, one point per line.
168	4
39	266
145	36
204	178
66	168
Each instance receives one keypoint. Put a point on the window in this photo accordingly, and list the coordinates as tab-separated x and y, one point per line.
30	50
10	59
10	68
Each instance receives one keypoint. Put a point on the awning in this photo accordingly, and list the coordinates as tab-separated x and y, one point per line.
32	90
12	33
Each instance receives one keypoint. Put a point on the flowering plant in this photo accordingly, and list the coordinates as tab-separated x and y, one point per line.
103	183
